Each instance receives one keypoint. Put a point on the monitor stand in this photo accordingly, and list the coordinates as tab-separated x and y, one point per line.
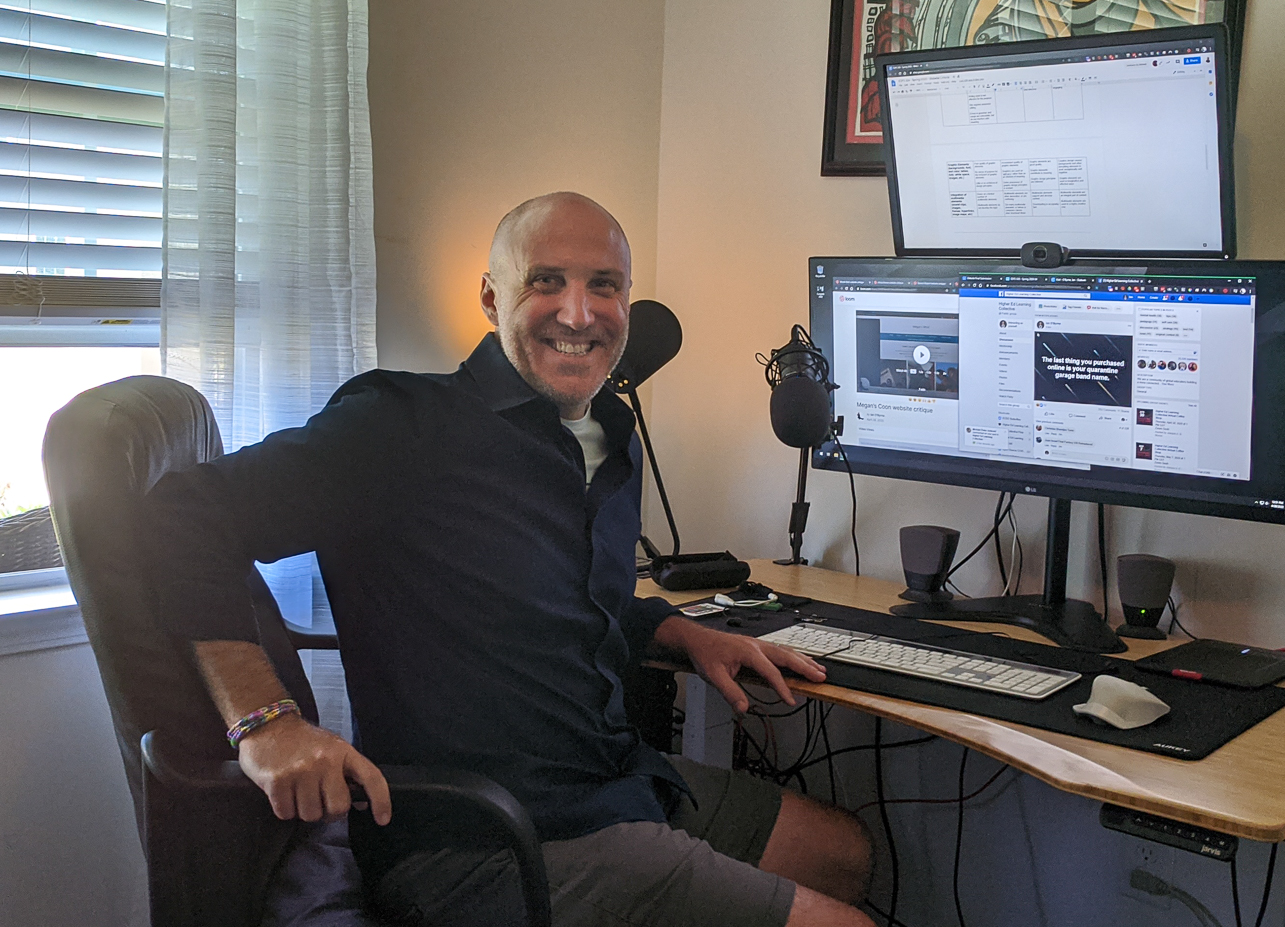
1067	622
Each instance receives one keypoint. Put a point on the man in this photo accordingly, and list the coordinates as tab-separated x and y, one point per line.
476	535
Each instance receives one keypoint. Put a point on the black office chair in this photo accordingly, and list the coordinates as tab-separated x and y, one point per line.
211	841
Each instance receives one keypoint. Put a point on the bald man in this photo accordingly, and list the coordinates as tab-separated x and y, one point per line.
476	533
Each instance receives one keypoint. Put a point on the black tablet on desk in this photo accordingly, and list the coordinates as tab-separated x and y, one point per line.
1222	662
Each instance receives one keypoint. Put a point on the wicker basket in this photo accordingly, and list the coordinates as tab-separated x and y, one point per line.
27	542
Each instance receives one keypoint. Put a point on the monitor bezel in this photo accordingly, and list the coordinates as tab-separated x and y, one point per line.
1046	481
1215	32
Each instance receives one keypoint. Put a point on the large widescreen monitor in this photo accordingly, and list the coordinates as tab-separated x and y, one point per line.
1157	384
1079	141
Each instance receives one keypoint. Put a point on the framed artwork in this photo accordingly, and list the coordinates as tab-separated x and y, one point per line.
860	29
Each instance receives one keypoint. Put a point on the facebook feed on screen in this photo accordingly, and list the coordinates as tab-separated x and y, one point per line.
1071	372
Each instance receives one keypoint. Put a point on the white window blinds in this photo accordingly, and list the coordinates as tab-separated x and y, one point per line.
82	109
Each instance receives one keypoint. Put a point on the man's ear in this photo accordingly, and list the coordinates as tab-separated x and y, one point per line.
488	298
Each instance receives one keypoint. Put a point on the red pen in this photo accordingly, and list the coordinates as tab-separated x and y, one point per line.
1188	674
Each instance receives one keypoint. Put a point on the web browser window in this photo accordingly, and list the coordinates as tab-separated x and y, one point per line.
1074	371
1083	150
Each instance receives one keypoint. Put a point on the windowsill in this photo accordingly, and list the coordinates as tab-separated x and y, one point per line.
37	612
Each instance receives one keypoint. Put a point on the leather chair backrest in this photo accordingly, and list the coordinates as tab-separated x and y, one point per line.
102	452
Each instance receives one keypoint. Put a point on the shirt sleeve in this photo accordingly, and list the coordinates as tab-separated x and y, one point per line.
289	494
641	619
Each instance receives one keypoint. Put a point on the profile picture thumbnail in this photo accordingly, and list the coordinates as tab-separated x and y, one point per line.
1191	367
1142	365
1151	365
1146	416
1143	451
1173	365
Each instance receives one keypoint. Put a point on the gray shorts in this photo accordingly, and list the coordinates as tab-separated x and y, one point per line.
699	870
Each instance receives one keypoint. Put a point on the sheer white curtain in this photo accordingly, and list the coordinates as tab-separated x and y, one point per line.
268	286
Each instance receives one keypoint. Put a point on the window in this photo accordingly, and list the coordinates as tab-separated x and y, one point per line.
81	120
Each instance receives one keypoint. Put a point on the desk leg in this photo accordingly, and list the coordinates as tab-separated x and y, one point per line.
708	725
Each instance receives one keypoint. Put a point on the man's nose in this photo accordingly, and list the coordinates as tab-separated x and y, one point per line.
576	311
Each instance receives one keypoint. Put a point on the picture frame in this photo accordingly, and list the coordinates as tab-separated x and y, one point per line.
852	142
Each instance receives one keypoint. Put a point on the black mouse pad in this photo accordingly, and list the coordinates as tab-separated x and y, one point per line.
1201	718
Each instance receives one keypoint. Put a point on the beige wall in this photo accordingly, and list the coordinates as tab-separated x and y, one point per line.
742	207
477	106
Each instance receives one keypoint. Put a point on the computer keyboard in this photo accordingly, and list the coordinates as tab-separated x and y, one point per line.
994	674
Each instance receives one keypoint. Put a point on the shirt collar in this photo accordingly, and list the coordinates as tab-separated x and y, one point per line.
501	387
498	382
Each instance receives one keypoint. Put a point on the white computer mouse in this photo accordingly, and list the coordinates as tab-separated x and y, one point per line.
1121	704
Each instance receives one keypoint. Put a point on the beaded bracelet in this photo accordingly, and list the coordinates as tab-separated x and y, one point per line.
256	719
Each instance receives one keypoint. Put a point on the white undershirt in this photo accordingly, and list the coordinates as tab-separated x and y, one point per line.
593	442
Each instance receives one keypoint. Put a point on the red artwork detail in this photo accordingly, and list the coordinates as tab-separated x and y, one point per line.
894	30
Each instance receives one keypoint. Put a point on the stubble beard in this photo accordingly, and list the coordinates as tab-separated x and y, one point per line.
514	347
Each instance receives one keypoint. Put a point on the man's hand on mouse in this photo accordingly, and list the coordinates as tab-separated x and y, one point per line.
719	657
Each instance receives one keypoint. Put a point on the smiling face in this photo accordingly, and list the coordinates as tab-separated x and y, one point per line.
557	292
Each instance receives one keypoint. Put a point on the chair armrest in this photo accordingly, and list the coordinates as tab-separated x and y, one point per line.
442	786
307	639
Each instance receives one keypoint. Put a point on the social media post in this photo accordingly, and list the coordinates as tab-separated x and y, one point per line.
1168	321
908	355
1083	392
1083	368
1166	437
1084	433
1167	370
906	422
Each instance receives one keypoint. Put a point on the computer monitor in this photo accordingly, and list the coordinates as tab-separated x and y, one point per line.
1081	141
1157	384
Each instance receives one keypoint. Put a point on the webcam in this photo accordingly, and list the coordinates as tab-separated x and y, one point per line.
1044	254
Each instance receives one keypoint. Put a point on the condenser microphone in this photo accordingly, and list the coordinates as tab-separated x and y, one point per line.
654	339
799	376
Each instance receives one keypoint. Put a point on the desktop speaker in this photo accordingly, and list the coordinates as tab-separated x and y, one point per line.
927	552
1144	583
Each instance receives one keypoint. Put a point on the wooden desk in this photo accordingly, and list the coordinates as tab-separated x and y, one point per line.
1239	789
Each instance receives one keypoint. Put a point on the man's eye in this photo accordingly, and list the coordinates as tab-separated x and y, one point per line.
605	284
546	281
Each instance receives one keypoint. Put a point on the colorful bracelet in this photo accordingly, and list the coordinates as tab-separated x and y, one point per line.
256	719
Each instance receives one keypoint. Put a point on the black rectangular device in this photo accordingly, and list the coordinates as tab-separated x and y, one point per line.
1222	662
1109	145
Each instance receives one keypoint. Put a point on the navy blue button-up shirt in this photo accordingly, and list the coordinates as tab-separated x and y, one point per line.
484	601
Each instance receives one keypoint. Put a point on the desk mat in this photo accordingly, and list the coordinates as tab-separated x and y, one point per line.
1201	719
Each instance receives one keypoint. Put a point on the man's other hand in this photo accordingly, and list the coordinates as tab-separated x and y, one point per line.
305	770
718	656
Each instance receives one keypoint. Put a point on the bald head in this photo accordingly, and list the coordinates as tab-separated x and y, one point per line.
527	217
557	292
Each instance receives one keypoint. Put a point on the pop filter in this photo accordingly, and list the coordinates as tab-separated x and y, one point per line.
654	338
801	412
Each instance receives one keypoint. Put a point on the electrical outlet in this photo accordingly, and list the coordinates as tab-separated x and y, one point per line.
1155	858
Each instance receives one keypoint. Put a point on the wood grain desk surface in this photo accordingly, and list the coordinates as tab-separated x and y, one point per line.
1238	789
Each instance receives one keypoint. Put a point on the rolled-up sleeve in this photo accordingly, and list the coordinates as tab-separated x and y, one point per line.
640	620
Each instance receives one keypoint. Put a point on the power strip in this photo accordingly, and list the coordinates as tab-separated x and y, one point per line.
1187	837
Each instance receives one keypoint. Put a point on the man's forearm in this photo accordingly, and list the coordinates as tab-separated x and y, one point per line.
239	676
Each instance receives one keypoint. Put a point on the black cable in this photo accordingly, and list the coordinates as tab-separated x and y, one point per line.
1173	619
1021	553
875	908
887	824
983	542
1267	885
999	546
959	837
852	488
859	747
829	756
1235	892
1102	556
